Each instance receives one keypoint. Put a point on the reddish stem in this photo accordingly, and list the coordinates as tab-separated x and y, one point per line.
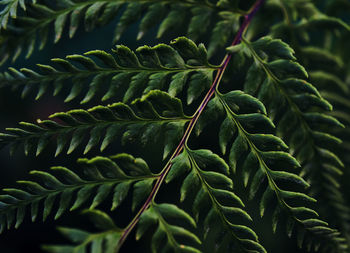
221	70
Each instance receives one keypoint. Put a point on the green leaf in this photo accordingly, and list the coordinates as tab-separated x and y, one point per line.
120	192
181	164
226	133
100	219
172	211
141	190
239	146
199	82
298	110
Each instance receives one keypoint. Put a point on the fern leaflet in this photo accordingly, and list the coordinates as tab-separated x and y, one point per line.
156	111
102	176
300	23
295	122
173	67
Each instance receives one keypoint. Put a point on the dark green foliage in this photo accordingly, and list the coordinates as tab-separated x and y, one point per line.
159	67
327	65
156	111
207	177
266	167
101	177
272	118
301	125
158	214
105	240
38	17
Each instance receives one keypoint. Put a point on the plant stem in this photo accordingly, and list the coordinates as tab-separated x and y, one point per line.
216	82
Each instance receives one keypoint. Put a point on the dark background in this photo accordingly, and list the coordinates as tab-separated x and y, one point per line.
13	109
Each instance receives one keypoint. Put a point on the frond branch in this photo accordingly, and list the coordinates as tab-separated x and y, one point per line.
98	178
268	172
146	69
310	139
192	123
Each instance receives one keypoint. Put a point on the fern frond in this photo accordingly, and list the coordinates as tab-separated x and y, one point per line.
152	83
173	67
21	33
315	145
267	168
301	20
296	107
340	213
207	179
154	112
327	186
105	240
158	214
322	59
100	177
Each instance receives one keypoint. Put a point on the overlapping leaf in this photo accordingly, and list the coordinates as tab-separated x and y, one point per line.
327	63
301	21
313	139
20	33
298	110
167	236
181	66
268	170
98	178
106	240
207	181
298	24
155	112
334	88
